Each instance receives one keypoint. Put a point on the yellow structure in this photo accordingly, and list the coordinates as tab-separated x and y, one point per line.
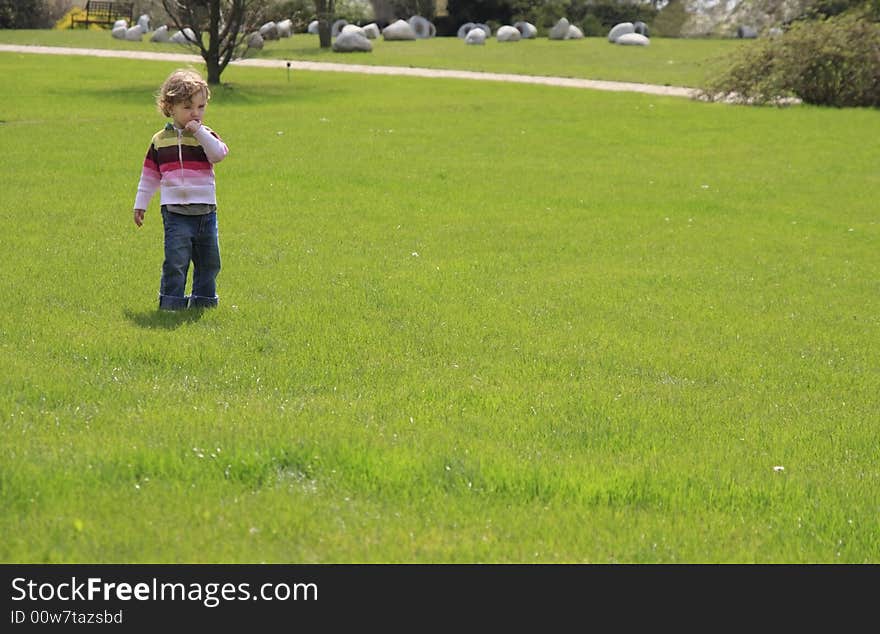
67	20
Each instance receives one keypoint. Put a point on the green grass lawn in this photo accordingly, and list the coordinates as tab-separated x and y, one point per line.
674	62
458	323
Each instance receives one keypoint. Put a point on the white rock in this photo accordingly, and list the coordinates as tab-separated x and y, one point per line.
508	34
423	28
641	28
352	41
313	27
620	29
134	34
255	40
160	34
527	29
400	30
475	36
352	28
633	39
285	28
559	30
119	32
574	33
485	27
269	31
336	27
464	29
372	31
187	36
144	23
120	23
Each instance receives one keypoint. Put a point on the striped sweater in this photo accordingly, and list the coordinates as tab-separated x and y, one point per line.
182	164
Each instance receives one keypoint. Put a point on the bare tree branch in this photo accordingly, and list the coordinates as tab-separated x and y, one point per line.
219	28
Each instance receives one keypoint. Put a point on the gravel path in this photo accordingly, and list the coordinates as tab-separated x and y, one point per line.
672	91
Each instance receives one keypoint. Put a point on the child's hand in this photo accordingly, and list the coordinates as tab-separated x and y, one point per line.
139	217
192	126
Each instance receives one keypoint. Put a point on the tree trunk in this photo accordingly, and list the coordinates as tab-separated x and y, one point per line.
325	10
213	65
324	33
212	59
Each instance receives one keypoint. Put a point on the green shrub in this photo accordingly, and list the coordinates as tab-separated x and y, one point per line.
611	13
405	9
670	20
32	14
355	11
833	62
593	27
818	9
299	12
480	11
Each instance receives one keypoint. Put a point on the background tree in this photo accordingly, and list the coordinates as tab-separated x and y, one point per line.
225	24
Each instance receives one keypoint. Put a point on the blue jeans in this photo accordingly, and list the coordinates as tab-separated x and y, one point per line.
189	238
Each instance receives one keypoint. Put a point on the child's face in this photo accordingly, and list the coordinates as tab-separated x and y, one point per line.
192	110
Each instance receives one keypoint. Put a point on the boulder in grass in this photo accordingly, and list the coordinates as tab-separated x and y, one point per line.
508	34
144	23
574	33
119	23
285	28
641	28
160	34
464	29
633	39
134	34
118	32
352	42
486	28
269	31
527	29
372	31
352	28
255	40
337	26
559	30
398	31
313	27
475	36
621	28
186	36
423	28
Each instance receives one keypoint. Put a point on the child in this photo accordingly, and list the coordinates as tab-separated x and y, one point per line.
180	162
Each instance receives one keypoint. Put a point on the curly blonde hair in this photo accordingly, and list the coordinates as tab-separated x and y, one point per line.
180	87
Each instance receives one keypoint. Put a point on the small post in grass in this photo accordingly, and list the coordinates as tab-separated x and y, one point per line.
288	72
